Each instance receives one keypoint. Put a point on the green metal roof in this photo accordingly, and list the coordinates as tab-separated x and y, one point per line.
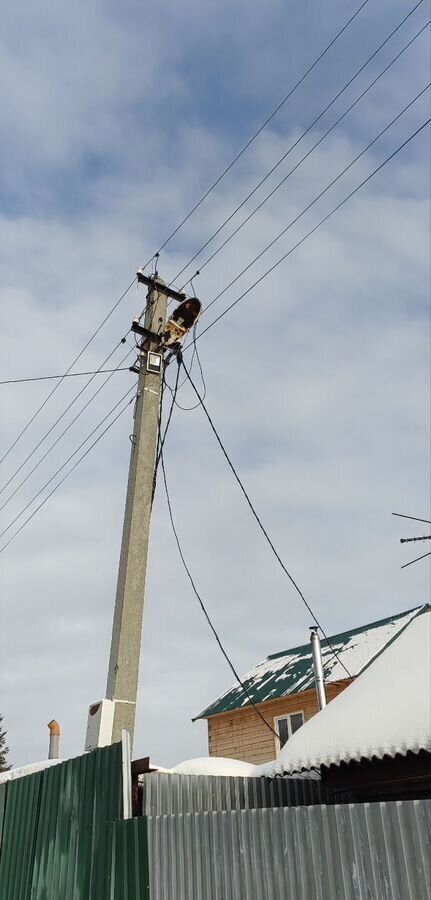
291	671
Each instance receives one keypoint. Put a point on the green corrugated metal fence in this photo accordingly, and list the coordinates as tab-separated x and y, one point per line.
130	865
2	804
56	840
21	816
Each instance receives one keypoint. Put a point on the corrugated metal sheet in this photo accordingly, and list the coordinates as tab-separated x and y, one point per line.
166	794
374	851
292	670
19	829
2	808
56	843
385	712
130	878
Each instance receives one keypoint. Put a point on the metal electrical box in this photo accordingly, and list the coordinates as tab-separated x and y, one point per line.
99	724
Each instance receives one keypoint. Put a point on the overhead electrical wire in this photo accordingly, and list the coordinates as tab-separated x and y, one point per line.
303	158
187	217
259	521
74	361
189	214
318	197
58	439
203	607
339	205
160	458
5	530
262	126
66	375
301	137
63	413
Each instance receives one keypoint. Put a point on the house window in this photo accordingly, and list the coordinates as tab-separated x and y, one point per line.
285	726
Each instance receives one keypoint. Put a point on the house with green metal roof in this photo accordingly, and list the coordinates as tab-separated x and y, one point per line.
282	688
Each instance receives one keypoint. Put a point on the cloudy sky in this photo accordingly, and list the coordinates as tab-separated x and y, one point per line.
115	121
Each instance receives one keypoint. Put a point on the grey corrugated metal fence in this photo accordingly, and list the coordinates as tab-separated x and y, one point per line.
165	794
376	851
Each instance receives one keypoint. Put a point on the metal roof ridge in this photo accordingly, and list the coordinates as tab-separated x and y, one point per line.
348	631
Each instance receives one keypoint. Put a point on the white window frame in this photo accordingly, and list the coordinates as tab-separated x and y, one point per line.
287	716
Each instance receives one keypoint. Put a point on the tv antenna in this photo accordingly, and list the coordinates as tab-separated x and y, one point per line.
425	537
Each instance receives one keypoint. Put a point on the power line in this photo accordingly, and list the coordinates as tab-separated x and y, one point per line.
309	233
295	144
66	375
169	238
259	521
72	422
261	127
315	200
203	607
55	388
61	416
67	473
302	160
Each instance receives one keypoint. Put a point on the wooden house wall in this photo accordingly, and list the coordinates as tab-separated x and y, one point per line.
241	734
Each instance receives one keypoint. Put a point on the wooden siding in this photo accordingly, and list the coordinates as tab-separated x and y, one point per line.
241	734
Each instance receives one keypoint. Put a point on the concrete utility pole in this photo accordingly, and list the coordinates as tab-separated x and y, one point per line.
116	712
122	683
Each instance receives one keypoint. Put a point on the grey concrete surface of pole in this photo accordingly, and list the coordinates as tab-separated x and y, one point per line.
123	673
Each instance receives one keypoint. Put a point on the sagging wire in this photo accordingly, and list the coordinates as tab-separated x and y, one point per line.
161	439
260	523
202	605
195	355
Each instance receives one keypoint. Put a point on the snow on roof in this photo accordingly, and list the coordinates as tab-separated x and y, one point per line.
20	771
291	671
214	765
219	765
385	712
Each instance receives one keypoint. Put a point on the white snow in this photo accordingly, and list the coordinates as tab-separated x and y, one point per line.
356	654
20	771
387	710
214	765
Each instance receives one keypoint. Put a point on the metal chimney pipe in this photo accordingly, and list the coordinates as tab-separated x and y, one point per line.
318	668
54	740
